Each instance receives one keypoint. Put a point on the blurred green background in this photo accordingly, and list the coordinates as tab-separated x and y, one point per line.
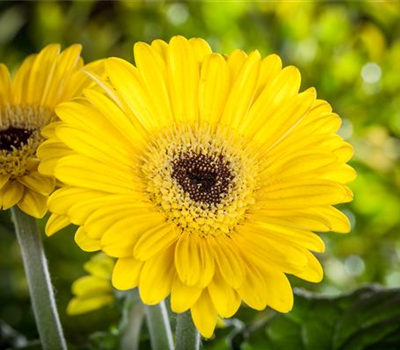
350	51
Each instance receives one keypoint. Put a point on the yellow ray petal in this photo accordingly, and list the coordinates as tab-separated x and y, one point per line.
21	80
242	92
11	194
121	237
157	276
204	315
153	71
214	88
65	65
304	194
313	272
130	88
78	170
85	243
183	296
253	291
90	286
183	77
41	74
200	47
56	223
228	261
38	183
33	204
280	294
155	240
193	262
3	180
223	296
270	67
126	273
6	96
287	231
79	306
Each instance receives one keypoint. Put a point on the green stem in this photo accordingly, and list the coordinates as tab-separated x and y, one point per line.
38	277
159	327
187	335
133	317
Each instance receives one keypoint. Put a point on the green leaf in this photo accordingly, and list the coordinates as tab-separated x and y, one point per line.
367	319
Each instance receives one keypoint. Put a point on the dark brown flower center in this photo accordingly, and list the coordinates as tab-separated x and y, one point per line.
14	137
204	178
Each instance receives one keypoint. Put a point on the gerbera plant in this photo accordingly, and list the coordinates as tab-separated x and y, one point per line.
27	105
205	175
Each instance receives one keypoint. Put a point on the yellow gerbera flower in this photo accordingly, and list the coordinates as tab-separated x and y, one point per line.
93	291
27	105
204	175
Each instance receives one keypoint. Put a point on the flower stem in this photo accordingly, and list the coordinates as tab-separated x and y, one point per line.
187	336
38	277
133	317
159	327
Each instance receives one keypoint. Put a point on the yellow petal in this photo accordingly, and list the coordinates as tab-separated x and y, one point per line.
65	64
41	74
313	272
11	194
155	240
33	204
193	261
161	47
223	296
228	261
183	296
91	286
287	232
126	273
242	92
5	86
280	294
274	253
153	71
183	76
3	180
204	315
126	126
79	306
100	265
81	171
38	183
200	48
121	237
21	80
214	88
84	242
157	276
126	78
56	223
49	152
254	291
235	63
304	194
270	67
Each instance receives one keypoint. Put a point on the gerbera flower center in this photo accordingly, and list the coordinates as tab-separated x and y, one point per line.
20	127
203	180
14	138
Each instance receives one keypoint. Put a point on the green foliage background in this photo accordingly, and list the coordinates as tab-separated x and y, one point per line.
350	51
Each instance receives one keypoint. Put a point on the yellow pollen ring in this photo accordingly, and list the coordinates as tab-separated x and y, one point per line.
232	179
